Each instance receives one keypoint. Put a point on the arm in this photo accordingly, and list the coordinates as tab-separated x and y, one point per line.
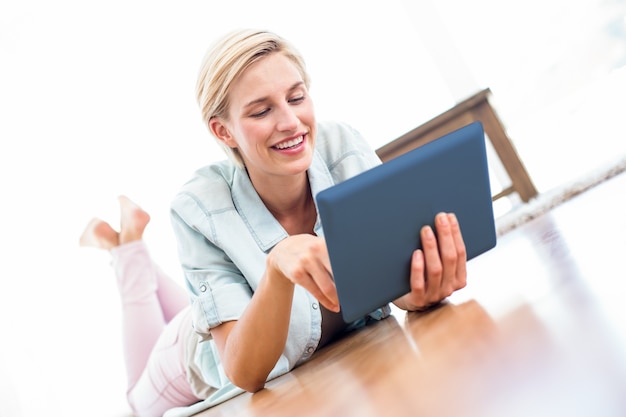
250	347
439	268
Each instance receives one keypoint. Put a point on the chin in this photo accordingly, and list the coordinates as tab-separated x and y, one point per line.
300	166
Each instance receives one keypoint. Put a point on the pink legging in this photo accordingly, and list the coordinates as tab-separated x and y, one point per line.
156	323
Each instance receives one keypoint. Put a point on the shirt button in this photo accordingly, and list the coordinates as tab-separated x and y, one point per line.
315	306
310	349
202	288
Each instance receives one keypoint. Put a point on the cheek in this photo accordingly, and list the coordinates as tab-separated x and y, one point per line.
308	114
252	134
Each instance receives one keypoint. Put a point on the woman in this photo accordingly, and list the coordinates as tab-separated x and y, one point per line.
249	239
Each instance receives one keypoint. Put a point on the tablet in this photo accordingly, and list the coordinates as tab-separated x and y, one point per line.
371	222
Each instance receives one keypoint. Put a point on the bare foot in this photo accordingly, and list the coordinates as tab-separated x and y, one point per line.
133	220
99	234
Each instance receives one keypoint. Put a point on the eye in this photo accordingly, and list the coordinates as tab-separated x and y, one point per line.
296	100
261	113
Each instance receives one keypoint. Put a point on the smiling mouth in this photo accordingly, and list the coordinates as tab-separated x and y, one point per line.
290	143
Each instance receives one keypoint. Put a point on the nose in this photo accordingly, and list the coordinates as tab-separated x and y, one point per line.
287	119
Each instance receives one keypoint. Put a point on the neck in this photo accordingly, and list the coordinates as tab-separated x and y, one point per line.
290	200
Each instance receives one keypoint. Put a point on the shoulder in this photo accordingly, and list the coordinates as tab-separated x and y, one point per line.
209	189
335	138
343	148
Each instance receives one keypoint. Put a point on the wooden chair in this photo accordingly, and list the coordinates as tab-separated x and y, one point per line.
475	108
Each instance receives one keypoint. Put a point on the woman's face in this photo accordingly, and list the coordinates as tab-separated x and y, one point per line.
271	119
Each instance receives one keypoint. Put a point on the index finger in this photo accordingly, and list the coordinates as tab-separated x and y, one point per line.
322	277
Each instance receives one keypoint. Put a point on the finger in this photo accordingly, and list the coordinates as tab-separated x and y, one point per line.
323	277
432	262
327	298
308	277
418	279
327	289
303	260
318	280
322	253
447	253
461	251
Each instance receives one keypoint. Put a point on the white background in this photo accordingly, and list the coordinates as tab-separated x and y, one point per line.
97	100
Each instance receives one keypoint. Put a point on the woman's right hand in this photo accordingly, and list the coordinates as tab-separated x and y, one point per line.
303	260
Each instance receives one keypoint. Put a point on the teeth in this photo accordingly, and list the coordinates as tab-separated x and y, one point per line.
289	143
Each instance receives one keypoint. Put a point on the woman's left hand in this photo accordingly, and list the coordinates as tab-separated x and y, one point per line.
439	268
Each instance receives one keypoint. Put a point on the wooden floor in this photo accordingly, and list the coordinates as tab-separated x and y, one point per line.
539	331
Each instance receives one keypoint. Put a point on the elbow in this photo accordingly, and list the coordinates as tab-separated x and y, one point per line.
246	382
253	387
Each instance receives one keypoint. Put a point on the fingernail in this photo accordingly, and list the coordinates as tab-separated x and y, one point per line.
428	232
453	219
443	219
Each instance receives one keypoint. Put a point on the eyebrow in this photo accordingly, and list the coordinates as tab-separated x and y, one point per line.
262	99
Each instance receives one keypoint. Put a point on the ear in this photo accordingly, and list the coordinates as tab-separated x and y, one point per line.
221	132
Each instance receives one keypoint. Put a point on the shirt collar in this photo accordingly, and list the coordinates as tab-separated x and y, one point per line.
263	226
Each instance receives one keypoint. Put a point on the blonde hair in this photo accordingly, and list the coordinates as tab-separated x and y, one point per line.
226	60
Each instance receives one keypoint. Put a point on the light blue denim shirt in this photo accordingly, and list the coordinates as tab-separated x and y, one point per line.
224	233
